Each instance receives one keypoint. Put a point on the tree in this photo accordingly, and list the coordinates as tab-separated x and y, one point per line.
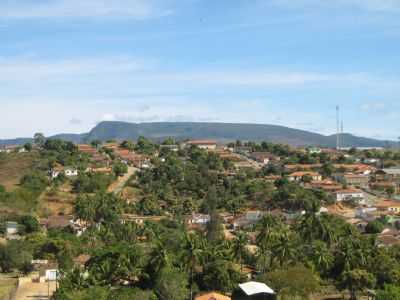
374	227
132	294
357	280
95	143
268	227
390	191
28	147
171	284
115	264
39	139
30	223
13	256
390	292
321	257
284	250
129	145
192	255
239	248
99	208
215	228
296	281
219	274
120	169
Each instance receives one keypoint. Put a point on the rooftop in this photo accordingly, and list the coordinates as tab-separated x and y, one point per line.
254	288
212	296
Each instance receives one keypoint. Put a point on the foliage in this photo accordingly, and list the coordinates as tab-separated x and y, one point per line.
390	292
172	284
29	223
296	281
99	208
374	227
91	182
120	169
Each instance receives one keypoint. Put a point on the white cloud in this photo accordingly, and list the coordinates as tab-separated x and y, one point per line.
32	9
123	75
30	68
369	5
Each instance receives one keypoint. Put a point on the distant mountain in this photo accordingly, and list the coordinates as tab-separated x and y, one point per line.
16	141
222	132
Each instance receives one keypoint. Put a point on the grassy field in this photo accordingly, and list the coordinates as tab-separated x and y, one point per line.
56	201
13	167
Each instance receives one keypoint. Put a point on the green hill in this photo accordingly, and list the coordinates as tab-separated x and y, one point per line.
222	132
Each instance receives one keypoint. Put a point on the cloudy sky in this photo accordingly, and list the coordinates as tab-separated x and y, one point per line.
66	65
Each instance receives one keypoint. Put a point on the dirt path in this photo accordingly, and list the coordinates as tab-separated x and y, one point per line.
118	185
34	290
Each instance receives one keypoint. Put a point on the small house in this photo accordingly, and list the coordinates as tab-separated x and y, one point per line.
71	172
203	144
350	194
389	206
299	176
253	291
264	157
11	228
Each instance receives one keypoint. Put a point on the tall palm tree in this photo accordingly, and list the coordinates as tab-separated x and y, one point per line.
284	249
268	232
239	248
193	250
159	257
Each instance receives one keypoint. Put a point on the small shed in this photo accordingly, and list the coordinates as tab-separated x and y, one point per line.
253	291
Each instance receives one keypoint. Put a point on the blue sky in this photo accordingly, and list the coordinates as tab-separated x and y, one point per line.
67	64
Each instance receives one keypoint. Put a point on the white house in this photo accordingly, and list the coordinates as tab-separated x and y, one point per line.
314	150
71	172
264	157
203	144
51	275
11	228
68	171
200	219
350	194
299	176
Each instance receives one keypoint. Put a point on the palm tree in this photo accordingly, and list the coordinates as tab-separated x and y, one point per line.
159	257
193	250
284	249
239	248
321	256
268	231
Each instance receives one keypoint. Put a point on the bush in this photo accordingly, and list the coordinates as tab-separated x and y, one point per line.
390	292
30	224
374	227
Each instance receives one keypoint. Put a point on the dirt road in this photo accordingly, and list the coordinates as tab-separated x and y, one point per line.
35	290
118	185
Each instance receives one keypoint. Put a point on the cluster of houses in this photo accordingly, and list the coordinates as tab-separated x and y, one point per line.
100	161
360	189
12	149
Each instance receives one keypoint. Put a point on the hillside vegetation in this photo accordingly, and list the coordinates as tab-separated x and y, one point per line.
13	167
